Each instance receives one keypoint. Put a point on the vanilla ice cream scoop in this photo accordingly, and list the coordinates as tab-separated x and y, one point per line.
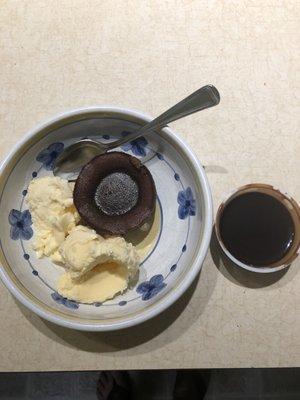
50	202
83	249
96	268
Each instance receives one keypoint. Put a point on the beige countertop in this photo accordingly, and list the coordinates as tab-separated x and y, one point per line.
57	55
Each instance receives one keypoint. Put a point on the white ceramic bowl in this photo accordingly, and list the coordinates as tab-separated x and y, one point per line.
185	204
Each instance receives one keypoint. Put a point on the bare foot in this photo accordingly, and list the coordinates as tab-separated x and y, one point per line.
114	385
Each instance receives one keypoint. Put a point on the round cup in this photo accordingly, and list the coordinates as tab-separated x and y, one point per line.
294	211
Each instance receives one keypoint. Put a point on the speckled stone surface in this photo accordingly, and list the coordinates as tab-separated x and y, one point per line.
147	55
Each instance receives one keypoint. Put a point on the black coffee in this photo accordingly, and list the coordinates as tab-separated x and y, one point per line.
117	194
257	229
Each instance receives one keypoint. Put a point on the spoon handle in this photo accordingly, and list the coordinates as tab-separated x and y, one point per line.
205	97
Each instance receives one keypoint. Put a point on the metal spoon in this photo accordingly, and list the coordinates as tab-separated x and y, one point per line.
74	157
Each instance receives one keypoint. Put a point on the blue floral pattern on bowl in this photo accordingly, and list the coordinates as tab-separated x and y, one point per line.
64	301
48	156
187	203
149	289
137	146
20	222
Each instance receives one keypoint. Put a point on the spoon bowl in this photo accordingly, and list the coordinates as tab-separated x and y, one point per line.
76	155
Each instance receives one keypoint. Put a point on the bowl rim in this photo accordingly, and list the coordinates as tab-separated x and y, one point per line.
195	267
226	200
